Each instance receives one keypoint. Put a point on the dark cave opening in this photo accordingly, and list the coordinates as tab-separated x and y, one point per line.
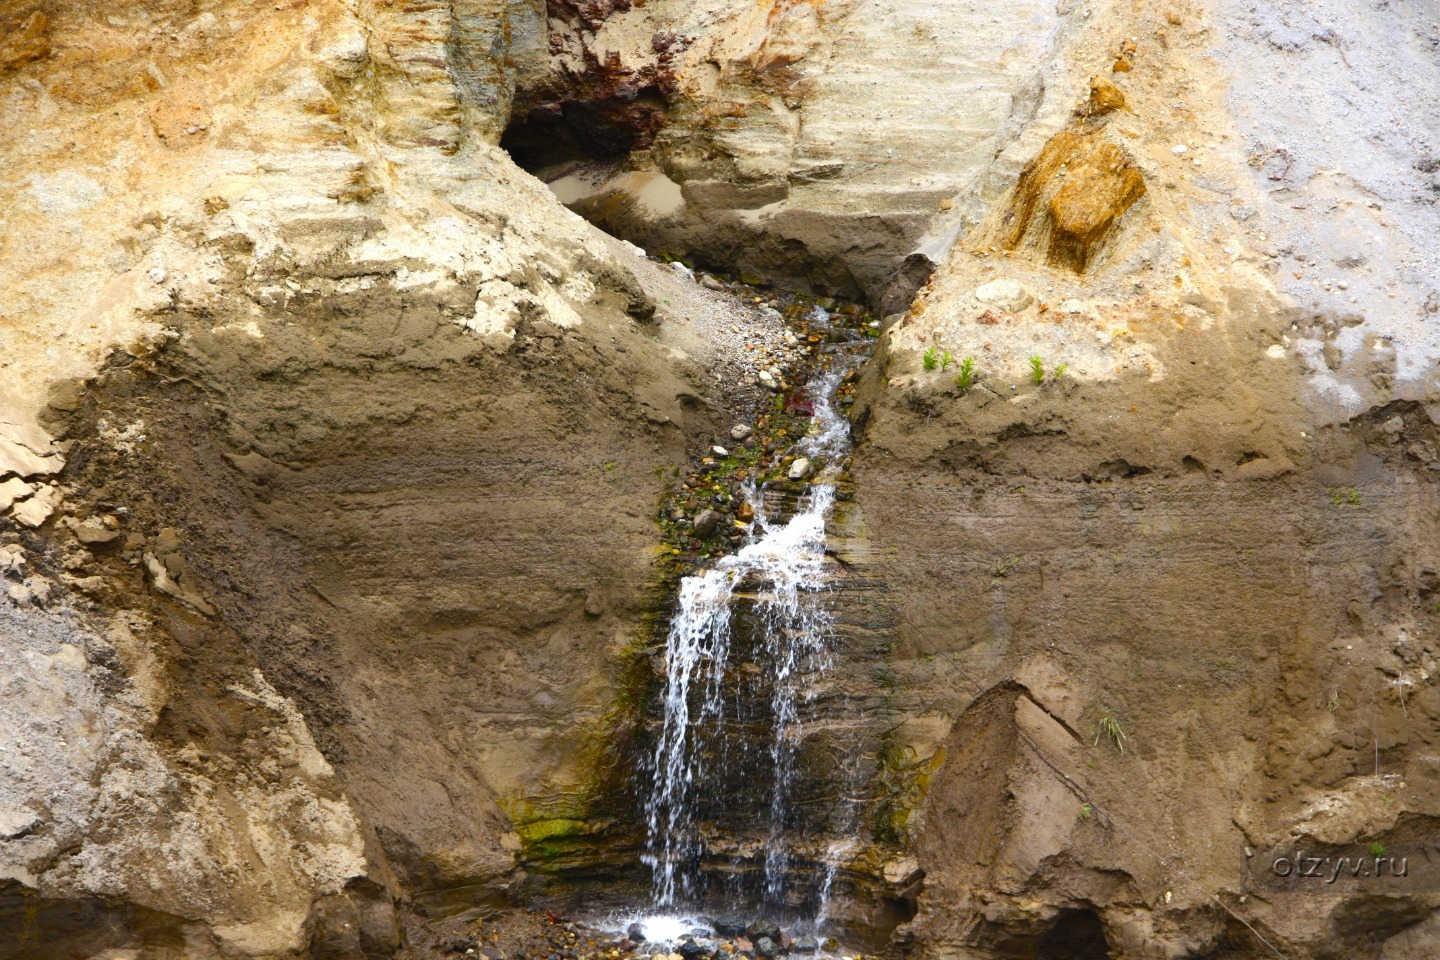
1076	935
583	130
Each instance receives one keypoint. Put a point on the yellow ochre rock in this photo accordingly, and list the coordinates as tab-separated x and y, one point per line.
1070	198
1105	97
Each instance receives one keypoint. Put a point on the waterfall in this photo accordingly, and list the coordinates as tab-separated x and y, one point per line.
781	572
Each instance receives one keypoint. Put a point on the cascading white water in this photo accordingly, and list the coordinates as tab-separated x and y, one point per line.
782	571
787	564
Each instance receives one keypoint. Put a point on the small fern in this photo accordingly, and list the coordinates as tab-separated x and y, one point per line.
931	359
967	373
1037	369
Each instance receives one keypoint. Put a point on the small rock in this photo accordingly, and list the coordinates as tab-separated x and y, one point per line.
37	509
12	560
36	590
92	532
1179	148
689	949
766	948
12	490
635	932
745	513
768	381
1005	293
1242	214
710	283
762	928
741	431
707	523
830	945
156	274
807	944
799	470
731	925
1105	97
720	451
901	871
1072	306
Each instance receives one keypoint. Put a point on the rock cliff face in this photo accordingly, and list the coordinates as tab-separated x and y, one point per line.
331	442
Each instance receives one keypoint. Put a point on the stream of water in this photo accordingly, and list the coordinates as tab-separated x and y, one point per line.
779	576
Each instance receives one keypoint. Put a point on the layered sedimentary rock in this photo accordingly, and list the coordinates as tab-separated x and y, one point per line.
331	444
1171	591
810	144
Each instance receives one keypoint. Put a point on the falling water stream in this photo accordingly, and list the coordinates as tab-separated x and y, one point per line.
779	576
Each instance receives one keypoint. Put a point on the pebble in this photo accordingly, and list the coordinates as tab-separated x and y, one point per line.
741	431
768	381
720	451
1179	148
799	469
710	283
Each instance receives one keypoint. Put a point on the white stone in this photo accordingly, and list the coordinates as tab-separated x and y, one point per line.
1005	293
37	509
799	469
12	490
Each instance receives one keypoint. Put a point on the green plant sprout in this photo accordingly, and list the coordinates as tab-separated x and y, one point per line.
1059	371
946	358
930	359
1037	369
1110	728
967	373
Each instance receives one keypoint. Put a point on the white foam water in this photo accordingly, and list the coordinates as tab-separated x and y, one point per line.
782	571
